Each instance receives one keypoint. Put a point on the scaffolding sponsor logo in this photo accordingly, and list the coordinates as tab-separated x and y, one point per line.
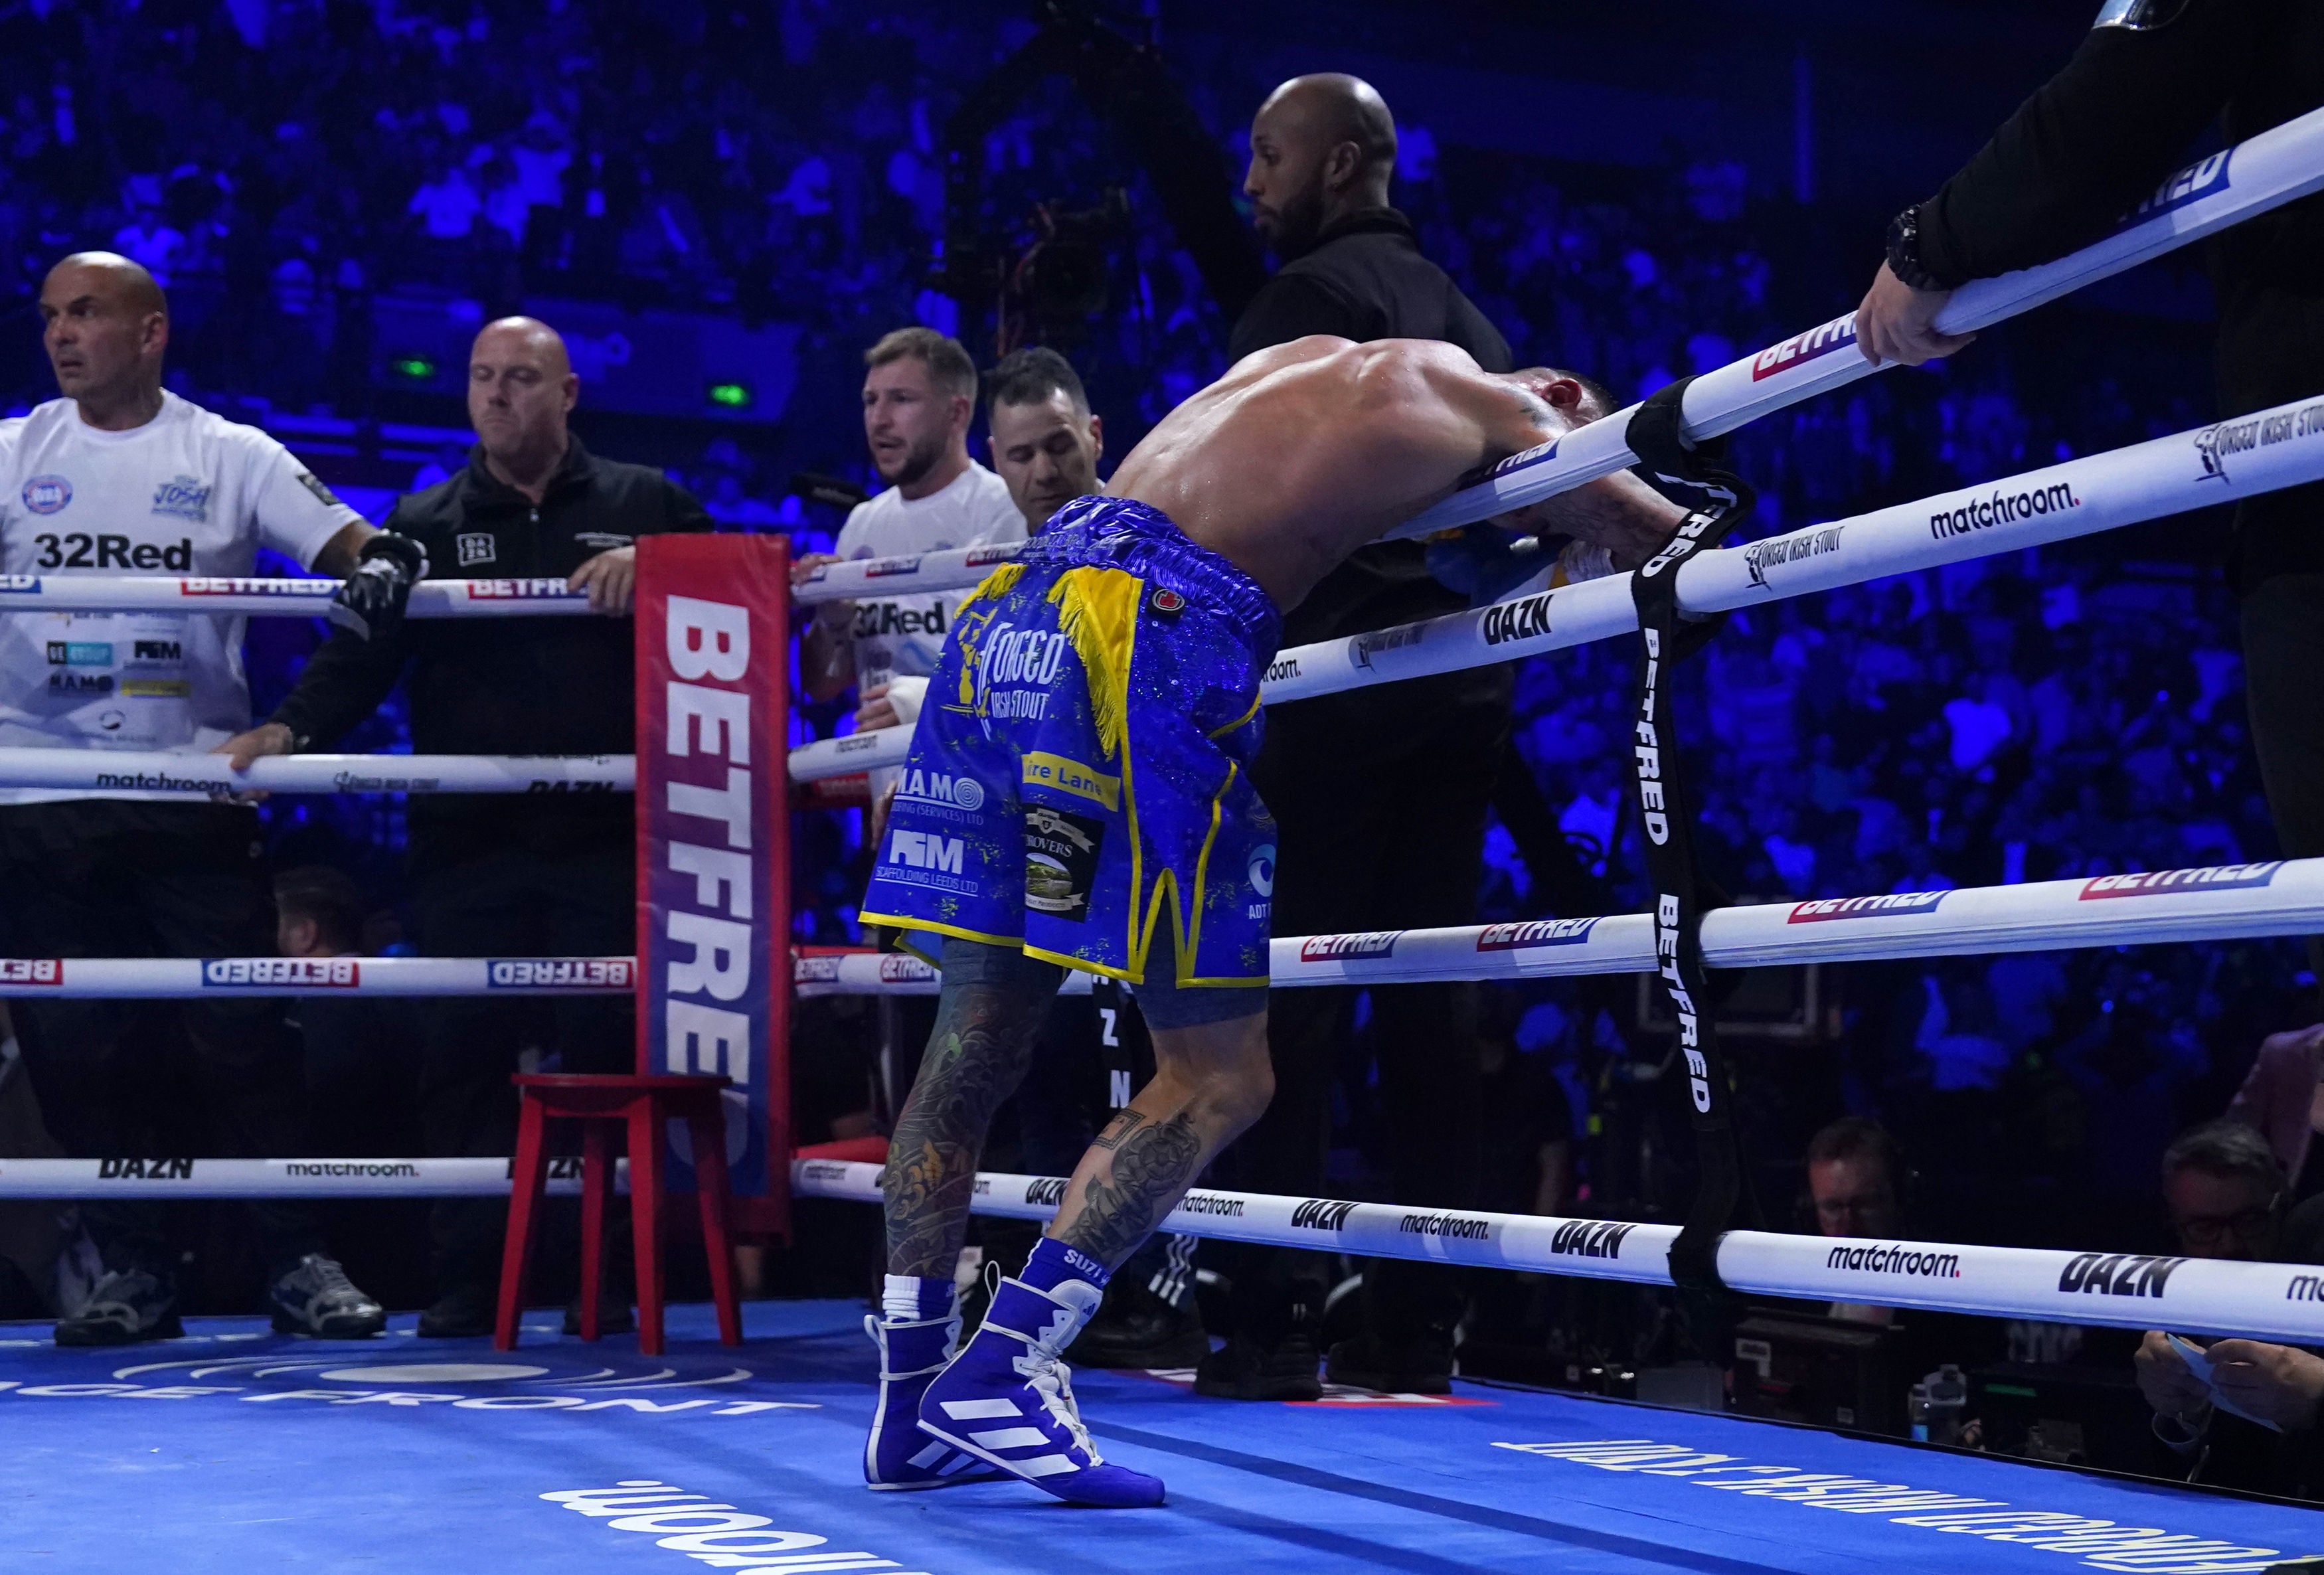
1894	905
1591	1238
1534	933
923	851
1321	1214
1349	948
303	972
32	971
1839	334
1999	508
522	591
1526	618
718	1534
145	1170
2154	883
2101	1544
1046	1191
325	1169
2198	181
2098	1273
1894	1259
1445	1227
560	973
1762	555
1211	1204
1363	648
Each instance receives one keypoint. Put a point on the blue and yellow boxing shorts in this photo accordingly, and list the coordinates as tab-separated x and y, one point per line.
1080	775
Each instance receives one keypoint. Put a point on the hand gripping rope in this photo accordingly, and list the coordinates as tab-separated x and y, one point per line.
1717	499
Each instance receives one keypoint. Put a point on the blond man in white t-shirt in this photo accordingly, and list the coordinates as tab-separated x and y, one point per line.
919	397
121	477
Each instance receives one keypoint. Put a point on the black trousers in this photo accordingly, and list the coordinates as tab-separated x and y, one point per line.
1380	797
514	901
2283	652
100	877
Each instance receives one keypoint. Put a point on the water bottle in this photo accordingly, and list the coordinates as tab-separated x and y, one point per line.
1948	1397
1916	1411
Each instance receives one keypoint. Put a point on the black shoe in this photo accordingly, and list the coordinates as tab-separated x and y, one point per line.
1417	1365
1244	1370
315	1298
1135	1328
614	1314
123	1308
461	1312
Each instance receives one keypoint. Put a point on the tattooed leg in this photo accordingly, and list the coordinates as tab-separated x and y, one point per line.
987	1017
1210	1082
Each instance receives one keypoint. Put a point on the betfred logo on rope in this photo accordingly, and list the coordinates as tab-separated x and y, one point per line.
2160	882
1349	948
32	971
560	973
1839	334
2196	181
1894	905
304	973
1533	933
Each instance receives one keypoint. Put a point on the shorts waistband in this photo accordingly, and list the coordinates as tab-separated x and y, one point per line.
1122	533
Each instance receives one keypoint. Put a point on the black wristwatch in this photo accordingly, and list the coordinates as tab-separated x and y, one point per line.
1904	252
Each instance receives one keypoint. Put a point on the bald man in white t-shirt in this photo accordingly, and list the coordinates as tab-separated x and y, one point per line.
117	477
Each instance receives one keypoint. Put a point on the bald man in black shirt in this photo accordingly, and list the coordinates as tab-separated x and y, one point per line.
1380	793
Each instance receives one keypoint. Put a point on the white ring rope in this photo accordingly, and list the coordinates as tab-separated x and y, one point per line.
303	598
170	771
2224	902
193	978
2253	1300
2259	453
278	1178
2221	902
2278	166
2264	1301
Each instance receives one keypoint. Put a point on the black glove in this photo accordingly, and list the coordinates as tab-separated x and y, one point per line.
370	604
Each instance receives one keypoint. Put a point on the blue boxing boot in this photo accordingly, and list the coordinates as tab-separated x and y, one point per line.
1008	1399
918	1329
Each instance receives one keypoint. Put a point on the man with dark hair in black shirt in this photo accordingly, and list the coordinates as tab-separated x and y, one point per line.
2086	148
1380	793
494	875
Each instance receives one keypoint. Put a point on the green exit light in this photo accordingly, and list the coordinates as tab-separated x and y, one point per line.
418	368
733	396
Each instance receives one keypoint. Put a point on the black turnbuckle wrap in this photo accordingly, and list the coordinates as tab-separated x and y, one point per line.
1717	500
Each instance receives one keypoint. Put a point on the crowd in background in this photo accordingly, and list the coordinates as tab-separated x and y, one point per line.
2071	712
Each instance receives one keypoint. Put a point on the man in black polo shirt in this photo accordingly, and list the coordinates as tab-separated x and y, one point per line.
1380	792
494	875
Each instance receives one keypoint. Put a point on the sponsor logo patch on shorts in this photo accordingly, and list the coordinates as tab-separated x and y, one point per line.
1061	852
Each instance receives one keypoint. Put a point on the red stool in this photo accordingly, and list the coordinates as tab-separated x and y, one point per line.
647	1102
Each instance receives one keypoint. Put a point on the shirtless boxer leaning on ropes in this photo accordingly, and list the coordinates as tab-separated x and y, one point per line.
1102	696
